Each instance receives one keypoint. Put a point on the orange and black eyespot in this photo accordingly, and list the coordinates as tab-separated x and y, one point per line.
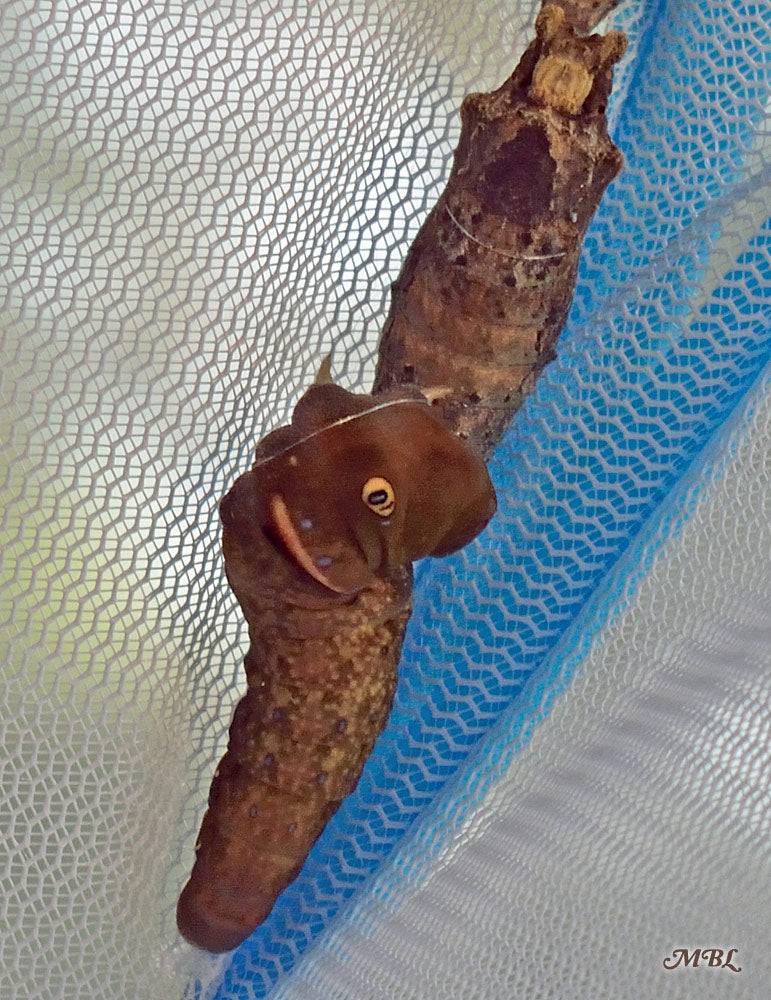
378	494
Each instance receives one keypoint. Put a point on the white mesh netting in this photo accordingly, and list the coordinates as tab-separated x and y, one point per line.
198	201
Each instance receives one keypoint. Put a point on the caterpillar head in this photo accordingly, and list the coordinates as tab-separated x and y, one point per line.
358	482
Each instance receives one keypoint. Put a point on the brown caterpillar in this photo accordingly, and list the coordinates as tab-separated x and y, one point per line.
319	537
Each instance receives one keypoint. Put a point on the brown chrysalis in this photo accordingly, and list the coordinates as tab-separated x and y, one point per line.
319	537
487	284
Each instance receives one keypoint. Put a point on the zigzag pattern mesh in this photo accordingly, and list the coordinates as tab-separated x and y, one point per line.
197	202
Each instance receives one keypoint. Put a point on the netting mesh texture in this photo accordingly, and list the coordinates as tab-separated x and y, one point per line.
197	202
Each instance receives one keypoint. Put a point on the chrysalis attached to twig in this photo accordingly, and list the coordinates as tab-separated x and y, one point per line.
319	539
486	287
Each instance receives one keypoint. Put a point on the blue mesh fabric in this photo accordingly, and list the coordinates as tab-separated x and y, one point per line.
660	348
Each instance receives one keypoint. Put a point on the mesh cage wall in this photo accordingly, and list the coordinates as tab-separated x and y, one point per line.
198	201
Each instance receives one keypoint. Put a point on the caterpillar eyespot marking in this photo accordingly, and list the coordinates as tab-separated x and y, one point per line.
378	494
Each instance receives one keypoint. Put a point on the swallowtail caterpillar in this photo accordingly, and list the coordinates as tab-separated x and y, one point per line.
319	539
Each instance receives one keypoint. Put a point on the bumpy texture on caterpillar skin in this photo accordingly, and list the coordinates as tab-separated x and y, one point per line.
319	537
